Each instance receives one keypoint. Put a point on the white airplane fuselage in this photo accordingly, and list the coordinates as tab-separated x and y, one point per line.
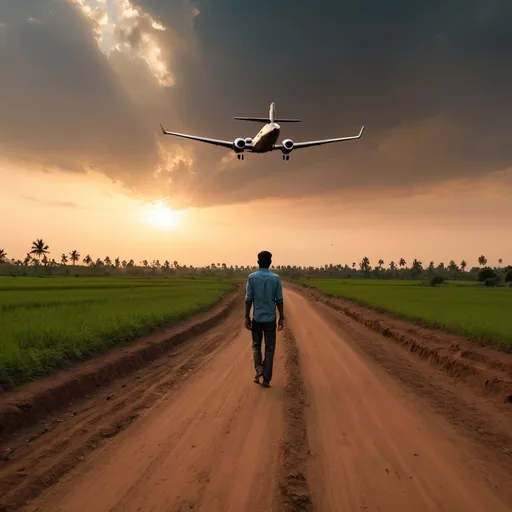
266	138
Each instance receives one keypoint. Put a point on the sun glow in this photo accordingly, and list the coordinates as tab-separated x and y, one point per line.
163	217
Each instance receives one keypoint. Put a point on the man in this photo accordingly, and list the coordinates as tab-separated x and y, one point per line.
264	291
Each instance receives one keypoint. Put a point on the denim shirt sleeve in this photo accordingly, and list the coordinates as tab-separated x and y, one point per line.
279	292
249	293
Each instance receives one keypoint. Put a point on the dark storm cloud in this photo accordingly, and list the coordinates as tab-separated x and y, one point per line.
61	103
431	82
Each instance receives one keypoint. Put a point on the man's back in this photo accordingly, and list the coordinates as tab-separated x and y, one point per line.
265	291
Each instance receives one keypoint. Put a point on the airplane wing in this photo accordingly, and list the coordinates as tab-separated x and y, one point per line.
216	142
308	144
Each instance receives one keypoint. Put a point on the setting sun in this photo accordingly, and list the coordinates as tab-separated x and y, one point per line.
162	216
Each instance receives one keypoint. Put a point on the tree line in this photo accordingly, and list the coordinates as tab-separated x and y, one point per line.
40	256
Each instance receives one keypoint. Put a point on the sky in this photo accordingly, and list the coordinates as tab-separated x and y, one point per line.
86	83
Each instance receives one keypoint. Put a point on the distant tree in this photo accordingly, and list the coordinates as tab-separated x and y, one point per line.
176	264
99	263
108	261
482	260
365	264
75	256
124	263
167	265
39	248
27	260
463	265
64	259
131	264
441	266
381	262
417	267
392	266
508	276
402	263
145	263
452	266
117	262
354	264
3	256
88	260
500	261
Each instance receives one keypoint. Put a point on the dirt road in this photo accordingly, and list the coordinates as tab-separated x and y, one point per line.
198	434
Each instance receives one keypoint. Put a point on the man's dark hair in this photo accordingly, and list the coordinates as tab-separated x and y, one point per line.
264	259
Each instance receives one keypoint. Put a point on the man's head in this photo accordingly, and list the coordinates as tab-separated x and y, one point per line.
264	259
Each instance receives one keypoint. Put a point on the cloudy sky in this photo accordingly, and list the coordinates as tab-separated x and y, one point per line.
85	83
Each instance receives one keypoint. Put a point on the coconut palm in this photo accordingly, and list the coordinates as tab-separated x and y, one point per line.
402	263
482	260
365	264
74	256
88	260
64	259
3	256
463	265
117	262
39	248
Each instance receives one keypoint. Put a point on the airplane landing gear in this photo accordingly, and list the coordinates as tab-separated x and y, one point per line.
240	156
286	157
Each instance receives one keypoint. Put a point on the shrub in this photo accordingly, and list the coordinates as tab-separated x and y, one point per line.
508	276
486	273
436	280
492	281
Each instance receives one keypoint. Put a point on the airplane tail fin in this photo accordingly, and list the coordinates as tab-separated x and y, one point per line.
270	119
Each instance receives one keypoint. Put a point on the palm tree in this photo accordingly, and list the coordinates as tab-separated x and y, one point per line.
117	262
402	263
417	267
463	265
482	260
88	260
64	259
3	256
500	261
108	261
392	266
75	256
365	264
381	262
452	266
39	248
124	263
131	264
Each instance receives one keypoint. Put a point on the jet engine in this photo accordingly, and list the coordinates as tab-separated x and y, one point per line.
287	146
239	145
248	141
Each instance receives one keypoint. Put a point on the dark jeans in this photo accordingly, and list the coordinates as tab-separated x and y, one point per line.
267	331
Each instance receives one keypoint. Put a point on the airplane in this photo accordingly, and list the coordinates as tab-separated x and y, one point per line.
266	138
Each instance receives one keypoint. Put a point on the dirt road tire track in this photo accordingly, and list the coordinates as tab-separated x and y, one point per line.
35	400
464	359
294	488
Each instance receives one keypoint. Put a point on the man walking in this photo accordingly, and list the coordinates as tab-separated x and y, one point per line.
264	291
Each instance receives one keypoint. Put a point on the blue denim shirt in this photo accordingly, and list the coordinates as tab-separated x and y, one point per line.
265	291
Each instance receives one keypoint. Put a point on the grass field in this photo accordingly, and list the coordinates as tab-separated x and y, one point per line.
49	322
482	313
